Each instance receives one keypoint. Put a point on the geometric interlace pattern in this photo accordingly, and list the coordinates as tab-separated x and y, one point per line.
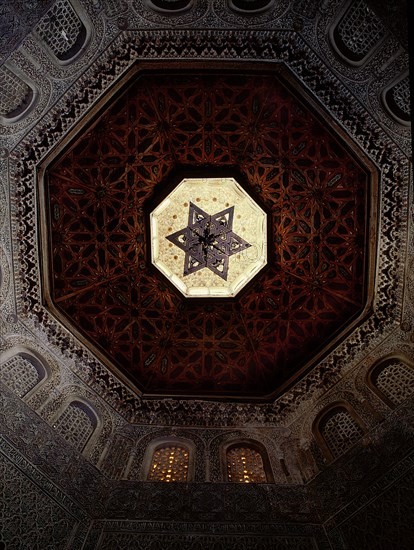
208	241
75	425
396	381
13	92
60	28
360	29
314	189
340	432
19	374
401	95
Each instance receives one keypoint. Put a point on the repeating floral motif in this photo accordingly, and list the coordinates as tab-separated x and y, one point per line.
317	196
385	522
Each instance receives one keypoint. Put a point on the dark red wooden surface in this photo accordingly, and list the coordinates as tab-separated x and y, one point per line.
317	195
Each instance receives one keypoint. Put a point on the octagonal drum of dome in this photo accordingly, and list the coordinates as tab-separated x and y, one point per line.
208	237
116	168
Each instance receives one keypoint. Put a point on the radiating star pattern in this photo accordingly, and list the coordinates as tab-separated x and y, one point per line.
101	280
208	241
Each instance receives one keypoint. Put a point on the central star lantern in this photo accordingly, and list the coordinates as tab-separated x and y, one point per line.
209	237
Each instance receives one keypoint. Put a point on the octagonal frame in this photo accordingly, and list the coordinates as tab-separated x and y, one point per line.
92	116
167	186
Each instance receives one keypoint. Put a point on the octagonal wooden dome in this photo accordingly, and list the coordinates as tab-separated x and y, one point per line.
102	284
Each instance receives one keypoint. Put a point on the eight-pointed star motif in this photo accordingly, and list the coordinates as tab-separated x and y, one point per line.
208	241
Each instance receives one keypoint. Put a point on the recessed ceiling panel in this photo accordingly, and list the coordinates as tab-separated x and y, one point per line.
314	198
208	237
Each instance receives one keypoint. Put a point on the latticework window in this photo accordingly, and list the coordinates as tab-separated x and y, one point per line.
62	30
398	100
169	463
20	375
15	95
358	32
245	465
396	381
401	95
340	431
76	424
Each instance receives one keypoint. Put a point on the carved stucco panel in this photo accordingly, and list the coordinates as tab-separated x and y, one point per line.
94	23
25	66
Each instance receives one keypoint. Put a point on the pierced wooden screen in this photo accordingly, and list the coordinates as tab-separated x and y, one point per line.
169	464
245	465
395	381
20	375
76	424
340	431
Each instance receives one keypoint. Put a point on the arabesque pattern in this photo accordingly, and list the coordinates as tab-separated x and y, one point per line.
316	191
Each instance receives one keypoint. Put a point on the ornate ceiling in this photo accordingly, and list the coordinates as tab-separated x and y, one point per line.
106	105
310	181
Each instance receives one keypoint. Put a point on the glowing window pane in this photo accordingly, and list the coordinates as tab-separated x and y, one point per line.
245	465
169	464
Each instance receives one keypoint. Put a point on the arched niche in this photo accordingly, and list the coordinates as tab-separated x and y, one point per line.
336	429
356	33
169	459
392	379
23	371
18	95
169	6
64	31
78	423
245	461
248	7
396	99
